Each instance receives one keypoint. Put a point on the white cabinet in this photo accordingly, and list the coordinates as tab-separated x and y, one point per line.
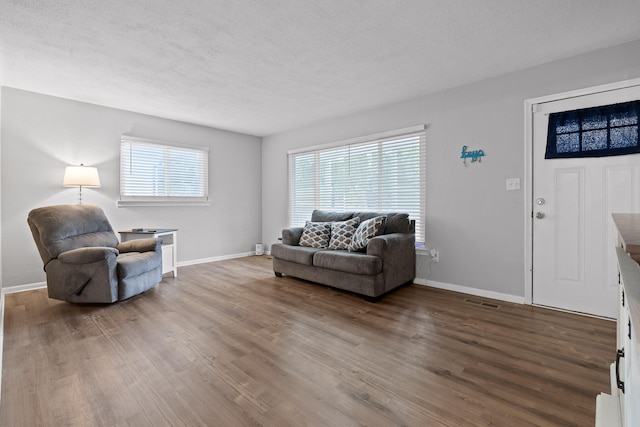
627	370
169	238
622	406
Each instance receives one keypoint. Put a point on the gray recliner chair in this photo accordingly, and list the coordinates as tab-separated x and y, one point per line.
83	260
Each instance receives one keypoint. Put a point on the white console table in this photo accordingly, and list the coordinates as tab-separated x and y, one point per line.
169	238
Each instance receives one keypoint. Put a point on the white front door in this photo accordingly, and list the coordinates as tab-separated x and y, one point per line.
574	266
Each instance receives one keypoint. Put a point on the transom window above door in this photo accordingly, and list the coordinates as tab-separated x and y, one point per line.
609	130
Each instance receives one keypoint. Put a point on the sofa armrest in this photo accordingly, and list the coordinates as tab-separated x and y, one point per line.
87	255
398	254
386	244
291	236
141	245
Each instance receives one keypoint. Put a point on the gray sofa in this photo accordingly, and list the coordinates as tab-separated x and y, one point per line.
387	261
83	260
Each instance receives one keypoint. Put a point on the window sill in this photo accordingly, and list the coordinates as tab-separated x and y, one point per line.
139	203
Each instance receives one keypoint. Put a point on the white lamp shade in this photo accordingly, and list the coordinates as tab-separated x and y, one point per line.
81	176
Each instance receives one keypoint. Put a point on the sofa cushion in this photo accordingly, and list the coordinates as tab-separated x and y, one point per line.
367	215
297	254
342	233
396	222
349	262
329	216
366	231
316	234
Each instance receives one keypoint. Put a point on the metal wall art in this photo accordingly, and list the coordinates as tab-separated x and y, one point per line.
475	155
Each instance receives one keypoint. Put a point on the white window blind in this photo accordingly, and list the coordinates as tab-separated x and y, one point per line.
158	173
383	175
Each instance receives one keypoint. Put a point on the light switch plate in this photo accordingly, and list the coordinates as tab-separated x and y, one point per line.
513	184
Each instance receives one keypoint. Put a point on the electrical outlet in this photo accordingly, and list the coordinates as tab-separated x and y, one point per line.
435	255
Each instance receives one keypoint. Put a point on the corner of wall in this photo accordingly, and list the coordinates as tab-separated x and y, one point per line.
1	89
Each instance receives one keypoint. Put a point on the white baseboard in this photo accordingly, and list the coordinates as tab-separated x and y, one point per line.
40	285
440	285
471	291
216	258
22	288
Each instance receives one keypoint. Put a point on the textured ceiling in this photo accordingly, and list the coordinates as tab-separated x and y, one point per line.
263	67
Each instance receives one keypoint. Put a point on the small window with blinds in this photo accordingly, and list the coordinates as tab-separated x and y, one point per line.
158	174
383	174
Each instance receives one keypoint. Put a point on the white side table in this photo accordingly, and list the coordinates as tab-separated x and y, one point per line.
169	238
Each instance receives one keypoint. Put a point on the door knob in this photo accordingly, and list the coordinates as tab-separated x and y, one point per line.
540	201
539	215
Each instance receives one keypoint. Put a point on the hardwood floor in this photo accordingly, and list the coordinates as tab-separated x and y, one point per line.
229	344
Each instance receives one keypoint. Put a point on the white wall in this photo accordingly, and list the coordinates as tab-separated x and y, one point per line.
475	223
43	134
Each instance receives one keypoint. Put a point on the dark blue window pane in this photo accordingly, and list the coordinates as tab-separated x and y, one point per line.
624	118
594	121
624	137
570	124
594	140
608	130
568	143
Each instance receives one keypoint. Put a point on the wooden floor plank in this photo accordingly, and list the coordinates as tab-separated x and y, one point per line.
229	344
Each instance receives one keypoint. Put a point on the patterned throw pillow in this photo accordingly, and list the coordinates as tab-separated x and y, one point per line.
366	231
342	233
316	234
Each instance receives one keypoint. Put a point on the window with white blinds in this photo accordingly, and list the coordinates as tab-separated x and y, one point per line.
153	173
383	174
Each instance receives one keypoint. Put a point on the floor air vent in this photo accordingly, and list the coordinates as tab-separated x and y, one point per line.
482	303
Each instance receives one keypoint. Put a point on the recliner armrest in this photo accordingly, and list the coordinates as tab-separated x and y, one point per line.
87	255
141	245
291	236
